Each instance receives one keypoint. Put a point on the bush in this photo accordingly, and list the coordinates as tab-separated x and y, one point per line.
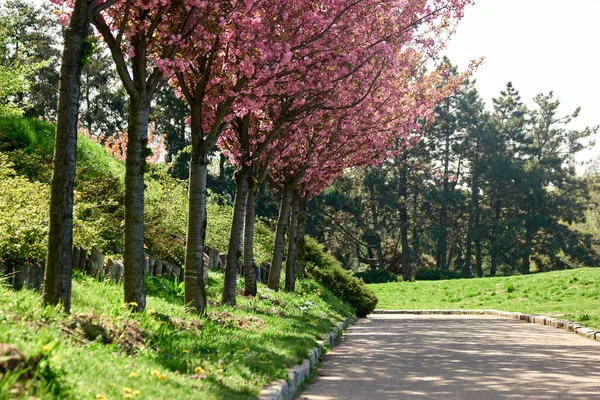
324	268
436	275
23	215
373	275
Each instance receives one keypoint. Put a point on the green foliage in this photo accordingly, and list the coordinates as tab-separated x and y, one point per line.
23	215
325	269
436	274
373	275
572	295
28	135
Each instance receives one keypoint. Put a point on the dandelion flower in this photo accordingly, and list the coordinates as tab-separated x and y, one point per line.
154	373
133	374
128	396
185	351
127	389
162	378
47	347
151	311
133	304
199	370
136	392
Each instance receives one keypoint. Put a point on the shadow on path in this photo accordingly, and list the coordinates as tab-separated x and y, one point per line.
457	357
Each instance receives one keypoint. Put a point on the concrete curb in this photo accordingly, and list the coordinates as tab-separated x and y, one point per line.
284	389
533	319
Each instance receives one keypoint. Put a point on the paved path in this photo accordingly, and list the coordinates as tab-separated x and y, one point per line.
457	357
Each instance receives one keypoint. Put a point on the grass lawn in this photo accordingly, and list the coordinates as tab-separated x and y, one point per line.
573	295
104	351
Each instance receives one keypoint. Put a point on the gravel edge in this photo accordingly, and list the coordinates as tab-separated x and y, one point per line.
285	389
531	318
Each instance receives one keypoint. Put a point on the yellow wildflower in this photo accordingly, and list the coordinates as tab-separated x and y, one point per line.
151	311
133	304
185	351
136	392
162	378
154	373
199	370
133	374
47	347
128	396
127	389
246	349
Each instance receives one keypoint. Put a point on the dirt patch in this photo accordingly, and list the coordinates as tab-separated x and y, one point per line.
246	322
12	359
128	335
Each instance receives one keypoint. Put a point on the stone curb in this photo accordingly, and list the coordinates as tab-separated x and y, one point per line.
533	319
284	389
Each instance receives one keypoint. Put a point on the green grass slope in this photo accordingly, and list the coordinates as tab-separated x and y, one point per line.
573	295
105	351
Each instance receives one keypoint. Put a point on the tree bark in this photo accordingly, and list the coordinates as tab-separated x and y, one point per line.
300	242
135	165
442	262
57	281
249	274
282	223
374	215
494	237
290	275
526	267
195	290
406	267
242	178
416	237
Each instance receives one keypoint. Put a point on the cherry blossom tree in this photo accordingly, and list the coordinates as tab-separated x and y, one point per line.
344	68
141	35
58	268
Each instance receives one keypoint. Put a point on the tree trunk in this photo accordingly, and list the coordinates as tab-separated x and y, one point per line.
282	222
242	178
300	242
290	275
57	282
249	273
442	262
380	259
135	164
406	267
494	237
416	258
526	267
195	290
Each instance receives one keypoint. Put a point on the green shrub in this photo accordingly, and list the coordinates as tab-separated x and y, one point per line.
30	135
23	215
324	268
436	275
373	275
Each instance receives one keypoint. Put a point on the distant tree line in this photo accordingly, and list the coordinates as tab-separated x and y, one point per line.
485	192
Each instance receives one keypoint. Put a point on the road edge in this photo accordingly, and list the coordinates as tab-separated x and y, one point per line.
531	318
285	389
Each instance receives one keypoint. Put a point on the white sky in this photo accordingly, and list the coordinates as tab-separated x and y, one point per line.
540	46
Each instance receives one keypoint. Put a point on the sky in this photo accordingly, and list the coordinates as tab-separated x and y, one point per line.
539	46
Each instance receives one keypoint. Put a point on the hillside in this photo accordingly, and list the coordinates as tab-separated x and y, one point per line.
573	295
102	349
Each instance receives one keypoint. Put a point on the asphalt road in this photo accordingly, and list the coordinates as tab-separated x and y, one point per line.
457	357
